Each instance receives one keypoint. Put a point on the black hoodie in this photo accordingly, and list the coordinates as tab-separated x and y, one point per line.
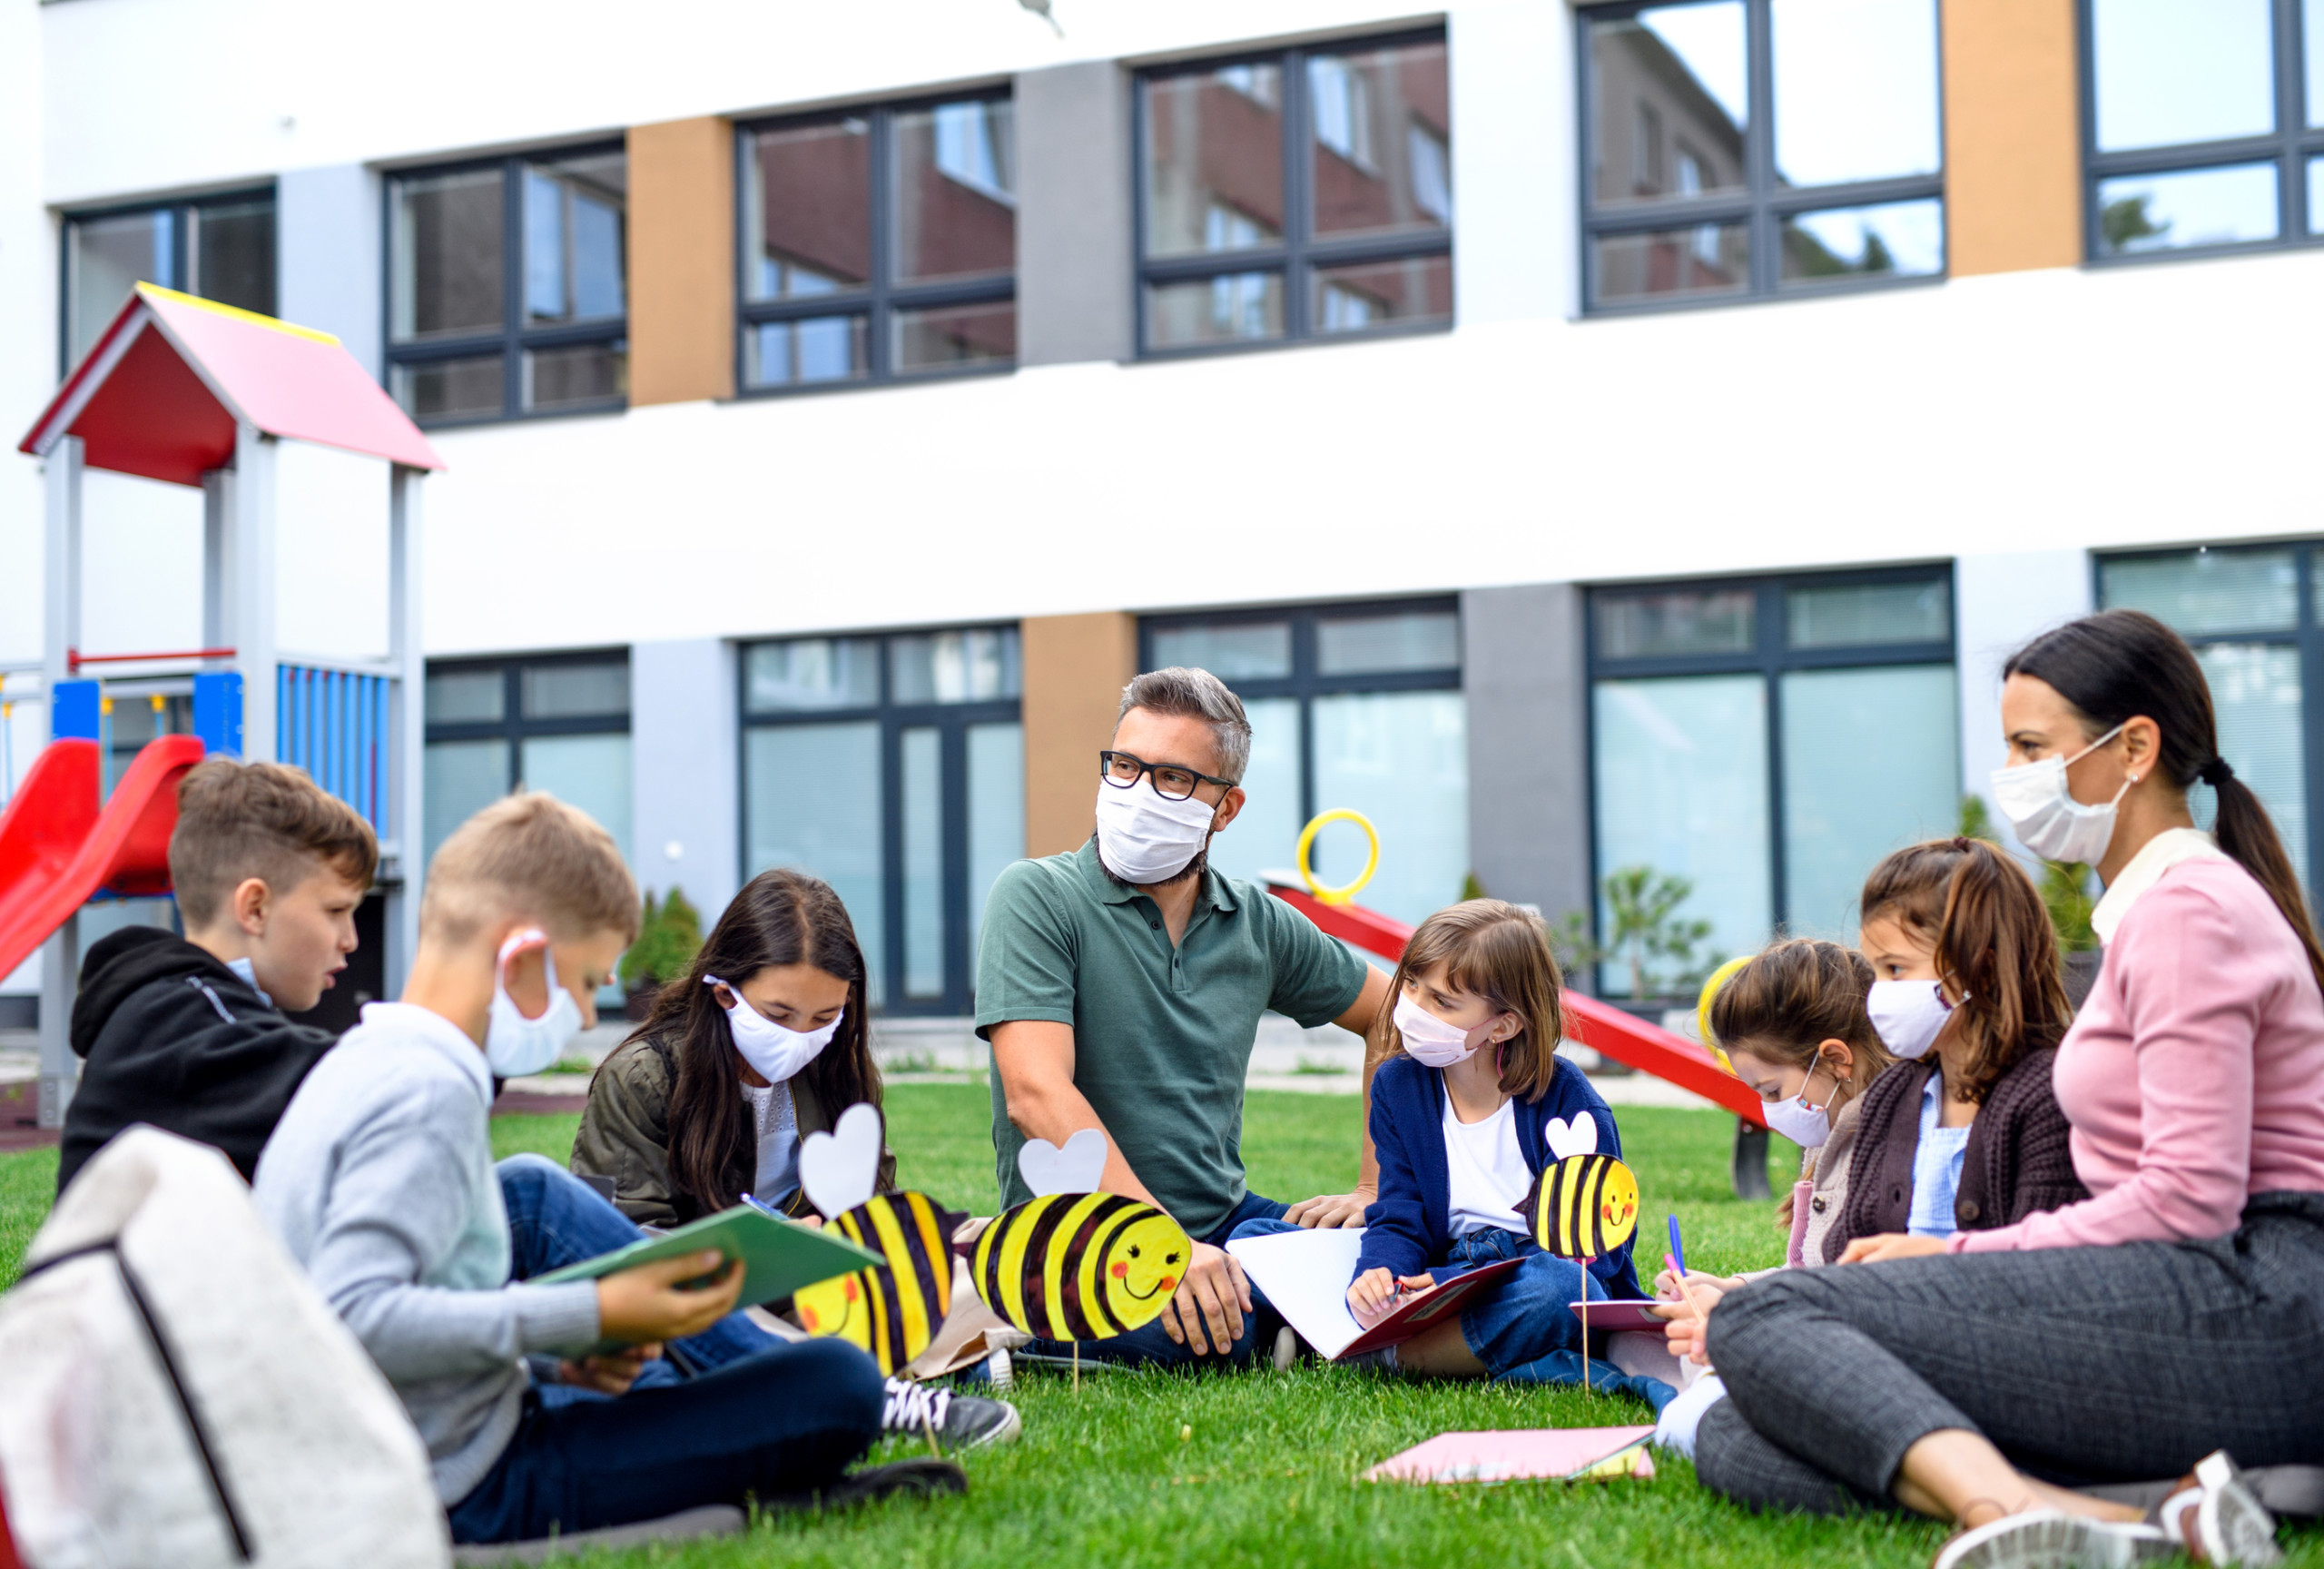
172	1037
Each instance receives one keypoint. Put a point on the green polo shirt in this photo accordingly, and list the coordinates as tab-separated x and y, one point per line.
1162	1037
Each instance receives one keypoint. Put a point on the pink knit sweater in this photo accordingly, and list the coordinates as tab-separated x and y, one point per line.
2194	1075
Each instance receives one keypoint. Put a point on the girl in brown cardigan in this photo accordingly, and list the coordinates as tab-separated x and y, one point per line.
1966	1133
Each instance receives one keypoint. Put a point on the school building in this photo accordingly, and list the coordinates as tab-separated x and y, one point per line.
1588	435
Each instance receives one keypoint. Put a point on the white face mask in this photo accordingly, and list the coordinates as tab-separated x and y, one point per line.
514	1045
1146	838
773	1052
1805	1125
1907	1014
2044	814
1430	1041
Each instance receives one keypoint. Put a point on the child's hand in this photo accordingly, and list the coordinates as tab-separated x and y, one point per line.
646	1305
1706	1289
1891	1245
1685	1337
1375	1293
611	1374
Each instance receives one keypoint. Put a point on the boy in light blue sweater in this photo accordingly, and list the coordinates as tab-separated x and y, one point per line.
380	1181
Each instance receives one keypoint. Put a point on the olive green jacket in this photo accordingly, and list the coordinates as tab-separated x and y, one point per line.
626	1136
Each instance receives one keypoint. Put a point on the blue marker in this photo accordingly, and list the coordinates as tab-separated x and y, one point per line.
1678	1249
753	1200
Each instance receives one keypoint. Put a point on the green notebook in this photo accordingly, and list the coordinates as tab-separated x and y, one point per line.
779	1257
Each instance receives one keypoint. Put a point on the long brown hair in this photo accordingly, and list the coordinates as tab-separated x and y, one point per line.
1495	951
1795	995
1995	947
780	917
2123	665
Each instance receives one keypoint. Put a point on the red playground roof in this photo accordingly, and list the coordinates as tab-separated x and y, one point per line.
160	394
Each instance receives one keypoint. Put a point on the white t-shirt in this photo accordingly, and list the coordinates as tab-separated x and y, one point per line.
777	1121
1486	1170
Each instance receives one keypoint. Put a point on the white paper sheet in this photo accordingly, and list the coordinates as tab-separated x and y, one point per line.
1305	1276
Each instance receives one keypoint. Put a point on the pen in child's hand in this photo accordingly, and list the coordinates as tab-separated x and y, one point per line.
1677	1248
756	1202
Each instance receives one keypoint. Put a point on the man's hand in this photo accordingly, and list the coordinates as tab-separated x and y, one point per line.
611	1374
1213	1297
1890	1245
1330	1211
645	1305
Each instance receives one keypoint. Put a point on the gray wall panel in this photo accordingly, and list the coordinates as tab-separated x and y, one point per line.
326	255
1529	762
1073	214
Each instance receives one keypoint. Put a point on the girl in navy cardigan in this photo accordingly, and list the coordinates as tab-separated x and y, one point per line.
1468	1103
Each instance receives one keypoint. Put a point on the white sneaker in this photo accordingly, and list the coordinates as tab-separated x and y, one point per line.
1287	1349
2219	1520
2053	1539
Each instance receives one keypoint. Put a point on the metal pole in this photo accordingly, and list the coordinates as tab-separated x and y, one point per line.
218	558
252	551
406	774
60	957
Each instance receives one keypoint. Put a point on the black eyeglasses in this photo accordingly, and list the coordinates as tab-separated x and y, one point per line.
1121	769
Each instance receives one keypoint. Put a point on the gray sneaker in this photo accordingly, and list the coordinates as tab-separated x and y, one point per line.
959	1421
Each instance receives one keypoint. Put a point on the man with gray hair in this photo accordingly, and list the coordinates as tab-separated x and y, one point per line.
1121	986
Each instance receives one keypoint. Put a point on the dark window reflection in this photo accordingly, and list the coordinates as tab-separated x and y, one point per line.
234	255
809	207
1366	294
574	215
1664	263
956	192
1382	140
1658	623
1669	86
946	335
446	240
1214	161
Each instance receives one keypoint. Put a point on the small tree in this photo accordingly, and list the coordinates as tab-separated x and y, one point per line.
669	934
1642	906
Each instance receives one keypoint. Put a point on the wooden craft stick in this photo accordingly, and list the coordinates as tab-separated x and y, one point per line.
1680	1274
1585	1325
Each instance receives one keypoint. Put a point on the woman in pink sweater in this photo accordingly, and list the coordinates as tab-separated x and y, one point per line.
2178	1311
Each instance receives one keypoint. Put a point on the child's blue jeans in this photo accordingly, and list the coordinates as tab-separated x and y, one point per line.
760	1416
1527	1318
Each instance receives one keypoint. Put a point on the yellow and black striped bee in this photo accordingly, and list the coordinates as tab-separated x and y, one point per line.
891	1310
1080	1266
1583	1207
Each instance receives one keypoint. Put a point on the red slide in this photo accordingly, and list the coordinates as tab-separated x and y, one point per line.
57	848
1648	1047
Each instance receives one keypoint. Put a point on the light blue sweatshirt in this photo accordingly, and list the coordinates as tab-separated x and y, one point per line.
379	1180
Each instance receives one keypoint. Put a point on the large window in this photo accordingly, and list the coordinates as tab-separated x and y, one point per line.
558	723
893	768
220	248
1299	193
1350	706
2252	616
879	244
2204	123
507	286
1745	148
1767	740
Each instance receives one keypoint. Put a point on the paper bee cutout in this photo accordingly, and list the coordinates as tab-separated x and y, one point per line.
1583	1207
1068	1264
1566	1140
891	1310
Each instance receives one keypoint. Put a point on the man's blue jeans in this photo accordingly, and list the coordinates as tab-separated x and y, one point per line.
1527	1318
1151	1346
763	1417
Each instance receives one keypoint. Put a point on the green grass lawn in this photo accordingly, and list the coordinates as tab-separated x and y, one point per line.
1158	1469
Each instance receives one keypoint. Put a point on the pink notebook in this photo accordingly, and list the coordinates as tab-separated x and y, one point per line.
1531	1455
1623	1314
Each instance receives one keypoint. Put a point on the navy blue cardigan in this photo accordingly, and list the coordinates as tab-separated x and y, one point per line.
1408	1229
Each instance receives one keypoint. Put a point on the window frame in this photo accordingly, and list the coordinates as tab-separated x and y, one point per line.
2288	147
951	722
1298	253
2305	637
512	338
513	726
880	299
1306	682
1761	206
1770	660
180	246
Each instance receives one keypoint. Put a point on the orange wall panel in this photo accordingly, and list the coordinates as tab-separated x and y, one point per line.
2013	144
682	261
1075	669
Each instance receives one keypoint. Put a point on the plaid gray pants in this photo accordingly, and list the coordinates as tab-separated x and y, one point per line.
2081	1364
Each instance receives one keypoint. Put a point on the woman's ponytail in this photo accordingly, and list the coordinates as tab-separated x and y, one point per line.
2118	665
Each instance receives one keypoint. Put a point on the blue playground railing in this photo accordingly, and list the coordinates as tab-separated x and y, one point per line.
334	725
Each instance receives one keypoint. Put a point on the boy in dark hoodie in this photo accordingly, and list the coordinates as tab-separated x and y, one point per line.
187	1033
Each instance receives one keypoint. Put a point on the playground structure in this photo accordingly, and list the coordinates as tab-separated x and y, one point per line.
1600	1026
193	393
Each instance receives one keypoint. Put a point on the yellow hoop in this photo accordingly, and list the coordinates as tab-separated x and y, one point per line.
1719	978
1306	841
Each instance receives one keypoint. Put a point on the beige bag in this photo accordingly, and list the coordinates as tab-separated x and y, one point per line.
178	1395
